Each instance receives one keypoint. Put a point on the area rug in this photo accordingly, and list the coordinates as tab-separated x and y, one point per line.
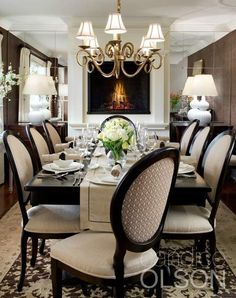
192	278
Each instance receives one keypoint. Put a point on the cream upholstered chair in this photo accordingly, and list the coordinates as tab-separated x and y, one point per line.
39	222
38	144
197	149
188	136
137	214
54	139
196	222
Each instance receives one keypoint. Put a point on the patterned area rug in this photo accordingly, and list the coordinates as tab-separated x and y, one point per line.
193	279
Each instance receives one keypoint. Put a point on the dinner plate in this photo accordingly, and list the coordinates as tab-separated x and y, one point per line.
104	180
97	154
185	168
51	167
93	166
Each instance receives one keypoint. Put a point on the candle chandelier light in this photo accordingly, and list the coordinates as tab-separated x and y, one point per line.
91	56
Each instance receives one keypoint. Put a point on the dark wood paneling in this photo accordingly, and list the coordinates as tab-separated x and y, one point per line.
220	61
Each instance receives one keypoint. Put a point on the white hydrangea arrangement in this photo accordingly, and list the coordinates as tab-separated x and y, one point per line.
7	81
116	136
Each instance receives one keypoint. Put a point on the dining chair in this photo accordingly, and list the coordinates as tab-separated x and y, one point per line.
188	136
137	213
197	222
53	138
198	148
38	144
42	221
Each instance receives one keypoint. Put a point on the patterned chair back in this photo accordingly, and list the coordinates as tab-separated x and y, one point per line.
139	204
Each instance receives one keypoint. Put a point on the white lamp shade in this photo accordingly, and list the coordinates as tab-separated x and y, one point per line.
204	85
146	44
188	86
63	90
85	31
115	24
37	85
155	33
93	43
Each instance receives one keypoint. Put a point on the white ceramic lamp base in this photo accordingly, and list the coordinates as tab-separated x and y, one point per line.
35	117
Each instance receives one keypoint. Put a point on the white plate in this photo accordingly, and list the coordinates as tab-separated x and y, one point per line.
93	166
97	154
104	180
185	168
51	167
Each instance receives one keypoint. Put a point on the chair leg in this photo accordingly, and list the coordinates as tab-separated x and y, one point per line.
56	279
159	283
118	289
34	251
212	240
41	248
24	239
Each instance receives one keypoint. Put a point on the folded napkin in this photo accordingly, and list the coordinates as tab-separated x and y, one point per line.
46	158
62	146
116	170
159	144
189	160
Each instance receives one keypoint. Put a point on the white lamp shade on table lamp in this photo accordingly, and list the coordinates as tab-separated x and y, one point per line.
200	85
39	85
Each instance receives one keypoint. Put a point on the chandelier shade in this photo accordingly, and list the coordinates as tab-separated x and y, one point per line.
115	24
155	33
91	56
85	31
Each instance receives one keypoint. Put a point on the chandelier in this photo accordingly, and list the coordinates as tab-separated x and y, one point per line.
91	56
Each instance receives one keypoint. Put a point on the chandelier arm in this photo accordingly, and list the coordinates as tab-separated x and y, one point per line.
131	75
127	50
160	59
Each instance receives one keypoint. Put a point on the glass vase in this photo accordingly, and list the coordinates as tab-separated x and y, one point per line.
112	158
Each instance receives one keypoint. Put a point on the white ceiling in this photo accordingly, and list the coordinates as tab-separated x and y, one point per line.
202	21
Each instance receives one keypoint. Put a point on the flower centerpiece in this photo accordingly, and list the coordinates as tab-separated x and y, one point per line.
116	136
7	81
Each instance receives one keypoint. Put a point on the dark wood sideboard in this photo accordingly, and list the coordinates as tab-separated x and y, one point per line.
177	128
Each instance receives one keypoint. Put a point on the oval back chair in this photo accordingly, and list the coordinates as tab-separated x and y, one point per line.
188	136
137	213
38	222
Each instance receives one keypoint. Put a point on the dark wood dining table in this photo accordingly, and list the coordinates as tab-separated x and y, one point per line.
54	191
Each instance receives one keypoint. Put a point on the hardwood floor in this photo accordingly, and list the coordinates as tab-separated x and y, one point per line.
7	199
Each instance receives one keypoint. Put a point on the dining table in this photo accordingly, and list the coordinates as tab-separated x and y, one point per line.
94	192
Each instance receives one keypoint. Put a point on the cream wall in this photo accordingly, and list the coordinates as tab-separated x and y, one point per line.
77	82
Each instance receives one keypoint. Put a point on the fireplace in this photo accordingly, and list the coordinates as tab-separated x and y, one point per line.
123	95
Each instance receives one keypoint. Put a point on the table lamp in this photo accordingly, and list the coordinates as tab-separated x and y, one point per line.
39	85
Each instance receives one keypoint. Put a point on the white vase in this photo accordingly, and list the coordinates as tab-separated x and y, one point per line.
35	117
194	103
203	104
192	114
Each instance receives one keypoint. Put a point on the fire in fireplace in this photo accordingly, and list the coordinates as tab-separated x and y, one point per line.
123	95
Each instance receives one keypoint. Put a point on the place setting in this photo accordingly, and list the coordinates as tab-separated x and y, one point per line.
186	171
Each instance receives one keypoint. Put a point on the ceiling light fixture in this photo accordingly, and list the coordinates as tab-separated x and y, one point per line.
91	56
